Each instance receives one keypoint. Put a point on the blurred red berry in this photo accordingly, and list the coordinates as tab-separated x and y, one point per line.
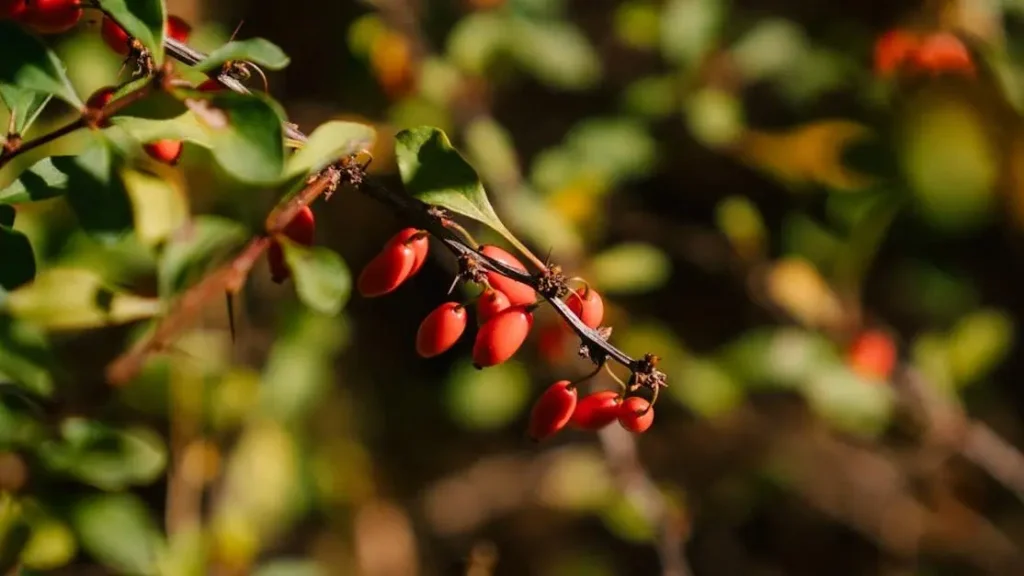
178	29
636	414
209	85
12	9
943	52
99	99
552	341
302	230
587	305
441	329
417	240
517	292
500	337
597	410
892	50
552	411
872	355
115	37
52	16
387	270
166	151
491	302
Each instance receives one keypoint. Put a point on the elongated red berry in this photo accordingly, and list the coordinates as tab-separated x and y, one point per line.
166	151
387	270
115	37
872	355
491	302
501	336
302	230
12	9
587	305
892	51
597	410
517	292
178	29
441	329
52	16
636	414
417	240
553	341
943	52
552	411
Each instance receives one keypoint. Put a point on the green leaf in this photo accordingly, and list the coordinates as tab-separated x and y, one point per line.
710	390
51	545
25	356
117	530
261	52
160	206
290	568
202	245
300	366
556	53
28	64
689	28
330	142
144	20
849	402
17	262
25	105
41	181
245	134
105	457
475	40
322	281
433	171
487	399
75	298
629	268
182	127
96	193
978	343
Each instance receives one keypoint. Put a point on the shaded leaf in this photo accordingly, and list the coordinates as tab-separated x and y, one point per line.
330	142
259	51
17	262
41	181
245	134
73	298
25	356
200	247
104	457
117	530
96	193
322	281
25	105
143	20
28	64
629	268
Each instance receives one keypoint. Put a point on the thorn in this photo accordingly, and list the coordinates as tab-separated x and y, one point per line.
237	28
231	314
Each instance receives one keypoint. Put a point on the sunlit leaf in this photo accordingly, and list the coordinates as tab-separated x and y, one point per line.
689	29
487	399
629	268
850	403
476	40
556	53
204	242
714	117
159	205
181	127
769	48
30	65
490	147
143	20
322	281
117	530
259	51
50	546
329	143
24	104
978	343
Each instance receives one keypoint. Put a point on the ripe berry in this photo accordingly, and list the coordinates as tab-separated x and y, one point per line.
52	16
636	414
101	98
12	9
209	85
166	151
491	302
115	37
597	410
892	50
587	305
302	230
441	329
552	410
417	240
872	355
387	270
501	336
943	52
553	342
517	292
177	29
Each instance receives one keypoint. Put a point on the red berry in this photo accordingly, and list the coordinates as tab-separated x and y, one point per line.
587	305
552	410
279	271
501	336
636	414
490	303
302	230
441	329
177	29
101	97
517	292
943	52
552	342
387	270
417	240
12	9
872	355
166	151
52	16
115	37
209	85
597	410
892	50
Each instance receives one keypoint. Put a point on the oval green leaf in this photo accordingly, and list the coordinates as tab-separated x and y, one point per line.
28	64
630	268
256	50
245	134
117	530
322	281
330	142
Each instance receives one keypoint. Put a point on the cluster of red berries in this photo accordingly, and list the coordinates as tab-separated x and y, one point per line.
504	315
904	50
43	16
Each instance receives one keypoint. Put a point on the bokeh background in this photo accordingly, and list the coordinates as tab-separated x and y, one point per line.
747	194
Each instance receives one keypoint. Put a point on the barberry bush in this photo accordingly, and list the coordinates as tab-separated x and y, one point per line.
704	272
